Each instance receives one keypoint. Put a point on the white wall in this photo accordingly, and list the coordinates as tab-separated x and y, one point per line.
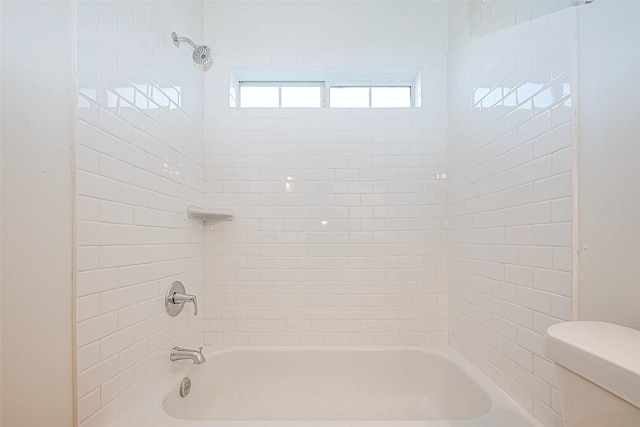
140	163
0	229
37	89
376	272
510	192
609	155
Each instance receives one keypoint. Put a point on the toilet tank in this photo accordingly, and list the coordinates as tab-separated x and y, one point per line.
598	367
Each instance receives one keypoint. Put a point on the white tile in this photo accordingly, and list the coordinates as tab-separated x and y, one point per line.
88	404
94	281
535	385
534	299
555	187
88	160
563	161
535	256
534	127
536	213
87	208
561	307
554	141
93	185
116	342
87	307
93	329
95	376
563	259
131	315
115	126
536	169
112	388
88	356
96	234
557	282
115	256
530	165
562	210
105	416
88	258
149	159
559	234
354	251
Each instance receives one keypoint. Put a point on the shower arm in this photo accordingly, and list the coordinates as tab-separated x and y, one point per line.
177	40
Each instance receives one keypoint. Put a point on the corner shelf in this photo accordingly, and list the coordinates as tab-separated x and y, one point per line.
209	214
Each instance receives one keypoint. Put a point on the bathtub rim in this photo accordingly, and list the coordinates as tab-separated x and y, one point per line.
149	409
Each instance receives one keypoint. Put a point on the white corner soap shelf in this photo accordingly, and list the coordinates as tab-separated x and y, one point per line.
209	214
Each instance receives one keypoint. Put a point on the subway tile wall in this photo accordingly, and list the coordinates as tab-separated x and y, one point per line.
139	164
340	228
510	194
339	233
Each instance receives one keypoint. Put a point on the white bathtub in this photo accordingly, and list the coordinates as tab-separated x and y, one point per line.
337	387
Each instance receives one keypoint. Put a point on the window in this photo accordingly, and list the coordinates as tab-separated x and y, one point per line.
349	97
370	97
325	88
313	95
281	94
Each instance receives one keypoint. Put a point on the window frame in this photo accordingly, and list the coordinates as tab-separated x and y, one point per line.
280	85
325	90
370	85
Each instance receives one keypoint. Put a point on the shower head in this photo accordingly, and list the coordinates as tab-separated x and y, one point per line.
201	53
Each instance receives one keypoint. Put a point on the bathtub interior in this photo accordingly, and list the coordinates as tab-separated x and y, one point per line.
329	385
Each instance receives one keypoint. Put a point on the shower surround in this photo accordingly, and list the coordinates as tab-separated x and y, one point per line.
340	233
510	191
339	236
139	164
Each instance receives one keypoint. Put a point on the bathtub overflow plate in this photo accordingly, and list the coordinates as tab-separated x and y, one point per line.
185	387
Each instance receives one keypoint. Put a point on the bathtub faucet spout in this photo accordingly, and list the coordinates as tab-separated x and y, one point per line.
179	353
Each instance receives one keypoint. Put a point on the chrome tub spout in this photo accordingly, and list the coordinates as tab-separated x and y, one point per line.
179	353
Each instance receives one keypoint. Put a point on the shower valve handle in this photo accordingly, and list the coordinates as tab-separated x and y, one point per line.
181	299
177	298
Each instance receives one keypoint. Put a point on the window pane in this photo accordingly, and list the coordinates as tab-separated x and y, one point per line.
301	97
391	97
349	97
259	97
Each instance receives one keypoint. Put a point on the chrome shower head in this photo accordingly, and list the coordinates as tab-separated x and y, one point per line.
201	53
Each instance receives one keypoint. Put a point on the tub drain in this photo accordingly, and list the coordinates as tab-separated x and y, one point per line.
185	387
